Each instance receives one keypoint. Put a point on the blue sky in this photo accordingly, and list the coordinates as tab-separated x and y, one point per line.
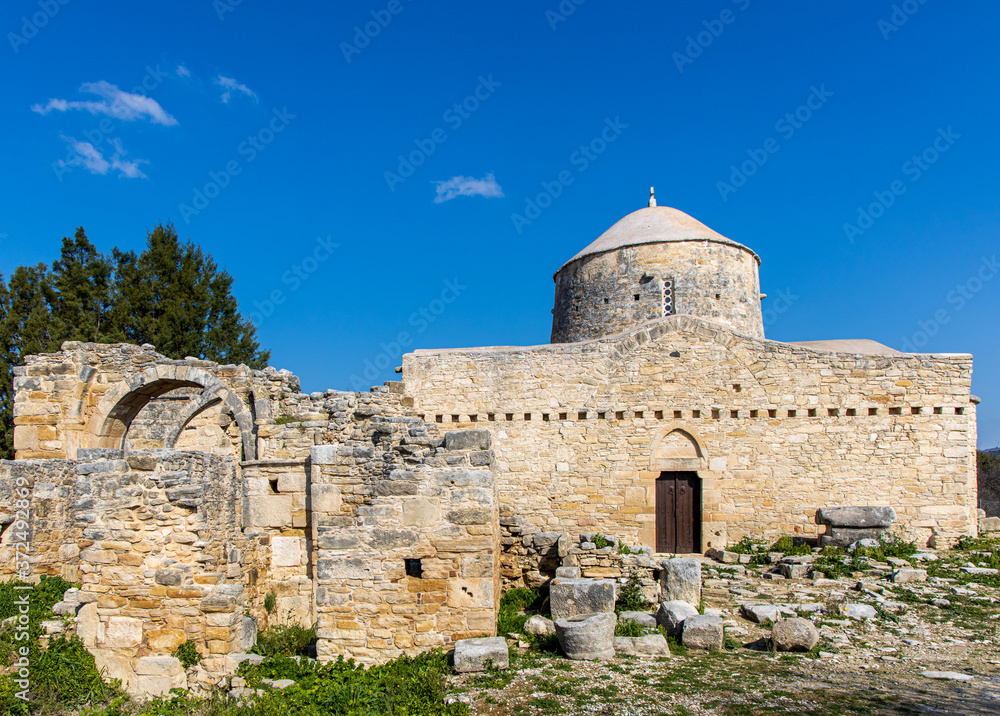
277	147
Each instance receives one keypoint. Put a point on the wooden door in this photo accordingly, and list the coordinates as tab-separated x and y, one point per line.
678	513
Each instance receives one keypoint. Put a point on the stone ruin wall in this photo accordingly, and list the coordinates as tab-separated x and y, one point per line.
287	494
774	431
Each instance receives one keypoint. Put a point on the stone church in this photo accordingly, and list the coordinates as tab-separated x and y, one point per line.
181	493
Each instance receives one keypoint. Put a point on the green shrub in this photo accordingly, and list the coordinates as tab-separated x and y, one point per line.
630	627
747	545
786	545
290	640
188	654
269	602
630	597
600	541
510	617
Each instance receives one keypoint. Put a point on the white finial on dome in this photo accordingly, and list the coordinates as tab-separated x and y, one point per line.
652	198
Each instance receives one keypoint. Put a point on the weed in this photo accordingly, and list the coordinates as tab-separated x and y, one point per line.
290	640
270	601
600	541
630	597
187	653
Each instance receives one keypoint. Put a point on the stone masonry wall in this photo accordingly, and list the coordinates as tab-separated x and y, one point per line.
405	525
774	431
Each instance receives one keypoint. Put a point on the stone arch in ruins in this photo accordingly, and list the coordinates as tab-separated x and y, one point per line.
109	424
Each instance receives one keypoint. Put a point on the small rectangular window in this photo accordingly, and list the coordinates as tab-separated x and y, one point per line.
601	416
439	418
620	415
737	387
474	418
510	417
563	416
754	413
658	414
413	568
716	413
638	413
772	413
545	417
792	413
812	412
959	411
916	411
873	411
851	412
581	415
527	416
454	418
695	413
832	412
491	417
678	415
938	411
734	413
895	411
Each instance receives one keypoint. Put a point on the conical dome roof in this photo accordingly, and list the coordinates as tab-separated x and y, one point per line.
652	225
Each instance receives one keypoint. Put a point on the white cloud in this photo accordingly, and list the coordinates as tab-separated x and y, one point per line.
115	103
90	157
231	85
467	186
183	71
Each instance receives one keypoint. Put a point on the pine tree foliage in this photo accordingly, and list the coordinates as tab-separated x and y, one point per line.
172	295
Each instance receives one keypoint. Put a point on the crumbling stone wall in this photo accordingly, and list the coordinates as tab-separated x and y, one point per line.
405	524
774	431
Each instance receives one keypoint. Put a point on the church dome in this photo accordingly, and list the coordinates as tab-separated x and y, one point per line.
651	225
653	263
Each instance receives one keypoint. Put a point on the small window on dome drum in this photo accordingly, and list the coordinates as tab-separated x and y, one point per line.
668	296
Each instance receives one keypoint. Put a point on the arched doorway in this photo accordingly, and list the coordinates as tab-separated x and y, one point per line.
676	458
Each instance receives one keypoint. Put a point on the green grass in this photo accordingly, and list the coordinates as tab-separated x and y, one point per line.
511	616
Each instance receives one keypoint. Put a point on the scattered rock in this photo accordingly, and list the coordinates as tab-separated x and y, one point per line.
761	613
952	675
681	580
794	635
539	627
701	632
643	619
908	574
570	597
671	615
857	611
277	683
481	654
650	645
587	637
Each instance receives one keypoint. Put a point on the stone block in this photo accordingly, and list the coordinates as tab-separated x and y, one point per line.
794	634
680	579
643	619
904	575
568	573
267	511
326	499
291	482
649	645
323	455
481	654
857	611
703	632
123	633
286	551
794	571
587	637
570	597
218	603
165	640
989	524
420	512
672	615
761	613
246	637
158	666
342	568
856	517
467	440
845	536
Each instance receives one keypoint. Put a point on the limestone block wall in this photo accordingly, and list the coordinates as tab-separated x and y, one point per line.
406	531
774	431
607	293
153	539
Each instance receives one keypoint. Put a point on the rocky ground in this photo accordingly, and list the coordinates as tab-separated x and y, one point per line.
943	621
